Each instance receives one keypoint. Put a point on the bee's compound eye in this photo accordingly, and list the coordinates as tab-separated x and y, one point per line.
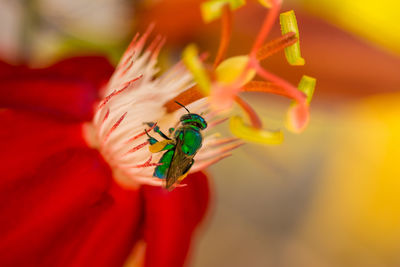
185	149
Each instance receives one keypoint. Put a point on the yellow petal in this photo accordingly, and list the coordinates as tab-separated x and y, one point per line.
212	9
232	68
289	24
247	133
193	63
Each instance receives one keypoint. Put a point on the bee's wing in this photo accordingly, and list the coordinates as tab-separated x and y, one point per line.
180	165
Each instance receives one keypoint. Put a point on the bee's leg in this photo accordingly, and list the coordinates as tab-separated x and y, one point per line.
157	130
150	124
151	139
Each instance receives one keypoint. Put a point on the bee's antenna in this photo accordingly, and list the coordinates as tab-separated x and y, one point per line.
182	106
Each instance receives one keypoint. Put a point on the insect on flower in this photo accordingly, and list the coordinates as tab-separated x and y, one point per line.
180	151
138	93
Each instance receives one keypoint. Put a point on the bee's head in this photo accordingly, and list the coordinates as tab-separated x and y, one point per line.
195	120
192	119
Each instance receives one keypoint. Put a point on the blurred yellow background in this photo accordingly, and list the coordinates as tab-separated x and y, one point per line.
325	198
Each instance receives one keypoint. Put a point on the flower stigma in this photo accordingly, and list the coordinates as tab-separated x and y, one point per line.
235	74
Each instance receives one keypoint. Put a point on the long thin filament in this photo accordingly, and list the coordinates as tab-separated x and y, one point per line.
225	34
276	45
269	21
254	118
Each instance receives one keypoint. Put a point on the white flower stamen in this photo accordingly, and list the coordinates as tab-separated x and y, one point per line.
134	96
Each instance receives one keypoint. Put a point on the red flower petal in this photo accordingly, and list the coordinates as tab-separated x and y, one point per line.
61	207
171	218
58	202
66	90
95	70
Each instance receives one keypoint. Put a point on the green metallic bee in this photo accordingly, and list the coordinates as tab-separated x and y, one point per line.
177	160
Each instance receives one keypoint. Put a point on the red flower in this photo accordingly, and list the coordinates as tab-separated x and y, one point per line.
59	203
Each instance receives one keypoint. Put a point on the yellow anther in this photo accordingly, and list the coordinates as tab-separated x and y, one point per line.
248	133
289	24
307	86
211	10
266	3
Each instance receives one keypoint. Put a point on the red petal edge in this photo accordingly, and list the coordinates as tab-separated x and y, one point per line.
171	219
59	205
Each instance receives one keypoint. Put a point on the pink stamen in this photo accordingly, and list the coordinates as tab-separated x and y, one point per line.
176	185
180	185
223	141
127	84
149	180
106	99
228	148
217	122
136	148
114	127
115	93
132	44
144	37
147	164
204	164
141	134
128	67
129	51
154	44
128	59
106	116
135	46
157	50
215	152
